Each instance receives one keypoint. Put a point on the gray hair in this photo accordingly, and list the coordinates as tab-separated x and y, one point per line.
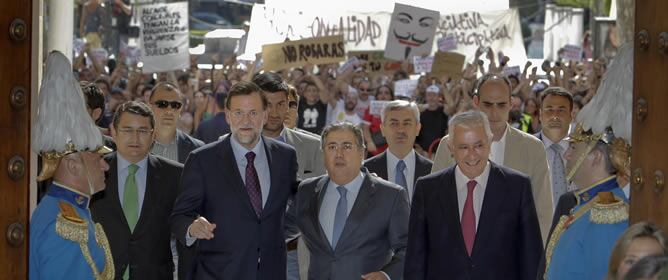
359	136
399	105
469	118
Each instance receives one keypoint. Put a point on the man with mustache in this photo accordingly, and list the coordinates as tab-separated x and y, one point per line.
400	164
233	196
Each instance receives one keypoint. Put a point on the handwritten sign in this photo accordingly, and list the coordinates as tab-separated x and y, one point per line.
376	61
349	64
448	64
321	50
447	43
164	37
405	88
422	64
376	107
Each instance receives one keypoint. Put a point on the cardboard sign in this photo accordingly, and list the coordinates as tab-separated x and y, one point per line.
376	61
411	32
164	38
405	88
422	64
321	50
572	52
447	43
376	107
448	64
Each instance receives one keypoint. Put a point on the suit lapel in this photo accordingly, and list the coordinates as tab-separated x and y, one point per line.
362	203
382	166
152	195
421	168
494	196
112	191
314	204
273	177
231	174
450	207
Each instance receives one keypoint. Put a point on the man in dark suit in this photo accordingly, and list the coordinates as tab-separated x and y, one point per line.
453	234
210	130
400	164
354	224
141	189
240	183
166	101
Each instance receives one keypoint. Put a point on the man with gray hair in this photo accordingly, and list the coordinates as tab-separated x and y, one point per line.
353	223
400	164
491	204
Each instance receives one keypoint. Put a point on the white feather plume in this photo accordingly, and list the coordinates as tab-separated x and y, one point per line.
613	103
61	115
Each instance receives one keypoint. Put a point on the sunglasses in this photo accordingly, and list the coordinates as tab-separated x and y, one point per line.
162	104
293	104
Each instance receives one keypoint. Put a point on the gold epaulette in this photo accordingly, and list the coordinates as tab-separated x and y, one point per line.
609	213
70	225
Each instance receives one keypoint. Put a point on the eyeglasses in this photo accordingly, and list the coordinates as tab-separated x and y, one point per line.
132	131
345	147
293	104
162	104
239	114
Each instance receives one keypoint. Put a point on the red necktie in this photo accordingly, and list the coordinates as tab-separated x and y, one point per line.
468	218
253	184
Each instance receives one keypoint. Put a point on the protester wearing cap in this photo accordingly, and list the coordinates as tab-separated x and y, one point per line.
598	157
510	147
65	243
166	102
434	119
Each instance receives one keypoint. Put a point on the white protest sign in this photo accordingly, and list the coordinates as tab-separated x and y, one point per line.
349	64
164	37
572	52
405	88
411	32
368	31
99	55
376	107
447	43
422	64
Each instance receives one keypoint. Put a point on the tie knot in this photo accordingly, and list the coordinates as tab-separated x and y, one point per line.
401	165
250	156
471	185
132	169
556	147
342	190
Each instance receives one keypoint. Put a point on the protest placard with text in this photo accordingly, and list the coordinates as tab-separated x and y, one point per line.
572	52
448	64
376	107
376	61
422	64
405	88
164	37
320	50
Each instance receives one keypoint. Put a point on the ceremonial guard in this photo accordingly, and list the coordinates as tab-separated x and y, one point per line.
65	243
594	217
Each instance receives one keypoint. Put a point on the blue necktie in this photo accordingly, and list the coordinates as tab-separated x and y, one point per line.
340	216
399	177
559	185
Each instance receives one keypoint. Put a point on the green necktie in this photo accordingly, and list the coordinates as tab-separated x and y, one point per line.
131	198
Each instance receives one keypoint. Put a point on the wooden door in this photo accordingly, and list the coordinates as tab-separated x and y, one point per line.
15	85
649	160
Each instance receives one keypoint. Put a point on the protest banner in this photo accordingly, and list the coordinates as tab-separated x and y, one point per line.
164	37
422	64
411	32
448	64
320	50
366	31
405	88
376	62
376	107
572	52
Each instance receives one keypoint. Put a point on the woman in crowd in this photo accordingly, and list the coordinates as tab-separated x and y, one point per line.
375	142
638	241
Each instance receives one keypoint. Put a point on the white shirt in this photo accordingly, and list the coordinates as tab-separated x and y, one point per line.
478	192
409	171
498	149
338	114
331	199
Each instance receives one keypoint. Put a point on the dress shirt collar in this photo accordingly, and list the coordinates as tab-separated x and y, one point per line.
241	151
123	163
461	179
409	160
353	186
548	143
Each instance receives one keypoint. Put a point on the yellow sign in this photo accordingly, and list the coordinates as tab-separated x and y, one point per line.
376	61
321	50
448	64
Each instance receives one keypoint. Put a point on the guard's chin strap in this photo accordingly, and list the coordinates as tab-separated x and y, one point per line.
91	190
581	158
